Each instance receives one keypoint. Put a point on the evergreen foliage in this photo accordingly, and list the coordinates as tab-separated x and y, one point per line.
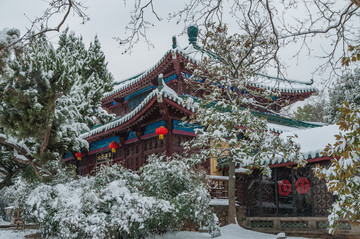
116	202
311	112
177	182
343	175
347	89
49	96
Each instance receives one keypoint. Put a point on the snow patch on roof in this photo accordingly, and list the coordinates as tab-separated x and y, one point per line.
196	54
165	92
281	128
119	86
282	85
313	141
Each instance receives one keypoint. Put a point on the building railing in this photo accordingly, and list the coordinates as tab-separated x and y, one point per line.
218	186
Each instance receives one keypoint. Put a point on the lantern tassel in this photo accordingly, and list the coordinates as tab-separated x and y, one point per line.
161	136
79	158
113	150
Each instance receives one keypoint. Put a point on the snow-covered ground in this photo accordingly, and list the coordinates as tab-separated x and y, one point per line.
232	231
14	234
227	232
2	222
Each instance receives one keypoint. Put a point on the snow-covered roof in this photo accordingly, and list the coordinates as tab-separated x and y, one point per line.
313	141
121	85
165	92
280	84
282	128
195	53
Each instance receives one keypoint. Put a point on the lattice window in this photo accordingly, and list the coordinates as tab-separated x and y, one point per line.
341	225
262	224
344	226
146	145
322	225
137	148
322	199
240	190
290	192
137	165
179	141
294	224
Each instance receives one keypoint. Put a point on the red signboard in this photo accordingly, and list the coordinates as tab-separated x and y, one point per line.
302	185
284	188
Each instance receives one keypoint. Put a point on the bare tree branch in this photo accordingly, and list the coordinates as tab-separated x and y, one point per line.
56	7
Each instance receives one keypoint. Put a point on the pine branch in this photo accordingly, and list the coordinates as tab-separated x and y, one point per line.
23	152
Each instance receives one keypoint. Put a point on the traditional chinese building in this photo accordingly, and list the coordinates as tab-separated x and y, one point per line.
155	98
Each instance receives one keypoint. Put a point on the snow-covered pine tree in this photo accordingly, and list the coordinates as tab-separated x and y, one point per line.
8	46
347	89
49	96
229	129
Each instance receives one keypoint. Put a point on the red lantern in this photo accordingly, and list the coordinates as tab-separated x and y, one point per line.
79	155
161	131
113	145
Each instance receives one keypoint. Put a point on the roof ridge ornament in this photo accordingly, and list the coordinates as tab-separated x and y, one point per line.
174	42
160	87
287	80
160	82
193	33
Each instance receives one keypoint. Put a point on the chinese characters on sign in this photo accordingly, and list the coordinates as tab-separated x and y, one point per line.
104	157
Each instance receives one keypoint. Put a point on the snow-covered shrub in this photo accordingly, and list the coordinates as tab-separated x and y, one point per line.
174	180
3	204
103	206
117	202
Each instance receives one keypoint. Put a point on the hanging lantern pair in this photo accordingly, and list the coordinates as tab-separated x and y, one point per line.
79	155
161	131
114	145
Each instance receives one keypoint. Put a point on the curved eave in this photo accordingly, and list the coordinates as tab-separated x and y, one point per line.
135	114
158	67
147	75
121	124
285	91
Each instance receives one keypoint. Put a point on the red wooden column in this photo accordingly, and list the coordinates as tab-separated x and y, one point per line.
168	140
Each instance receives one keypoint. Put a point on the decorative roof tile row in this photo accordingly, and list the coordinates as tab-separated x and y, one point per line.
192	54
133	80
166	92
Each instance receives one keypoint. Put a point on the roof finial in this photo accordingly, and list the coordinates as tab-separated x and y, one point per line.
192	32
174	43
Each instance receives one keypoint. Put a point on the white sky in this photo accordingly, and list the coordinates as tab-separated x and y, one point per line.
108	19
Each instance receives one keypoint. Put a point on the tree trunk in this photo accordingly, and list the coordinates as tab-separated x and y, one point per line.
231	192
45	141
356	2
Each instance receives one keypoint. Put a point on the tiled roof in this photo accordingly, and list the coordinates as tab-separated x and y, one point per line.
166	92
